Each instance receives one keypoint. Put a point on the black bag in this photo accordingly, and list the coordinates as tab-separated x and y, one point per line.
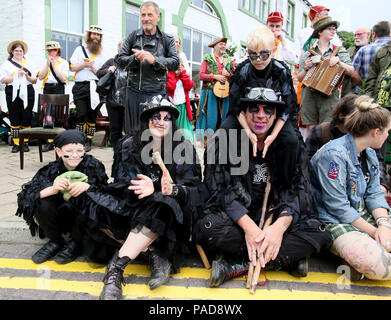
104	84
49	113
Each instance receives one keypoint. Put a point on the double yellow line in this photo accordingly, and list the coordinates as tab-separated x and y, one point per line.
134	291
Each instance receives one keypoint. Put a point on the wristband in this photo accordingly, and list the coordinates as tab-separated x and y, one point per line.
384	225
381	219
175	191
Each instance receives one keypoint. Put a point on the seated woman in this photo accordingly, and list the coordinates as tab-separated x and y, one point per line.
326	131
142	209
349	198
42	200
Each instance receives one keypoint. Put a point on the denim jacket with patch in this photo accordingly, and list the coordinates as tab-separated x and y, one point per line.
339	183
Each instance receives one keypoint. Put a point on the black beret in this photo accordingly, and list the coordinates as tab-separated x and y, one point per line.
70	136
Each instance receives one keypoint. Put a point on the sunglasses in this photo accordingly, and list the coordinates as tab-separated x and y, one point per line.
255	109
156	117
263	55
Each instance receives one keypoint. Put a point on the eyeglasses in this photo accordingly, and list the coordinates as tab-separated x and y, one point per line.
157	117
264	93
332	29
359	34
263	55
70	153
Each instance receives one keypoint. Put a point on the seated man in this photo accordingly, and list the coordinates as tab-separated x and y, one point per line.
42	201
229	227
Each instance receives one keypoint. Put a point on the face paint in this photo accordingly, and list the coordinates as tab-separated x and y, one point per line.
268	110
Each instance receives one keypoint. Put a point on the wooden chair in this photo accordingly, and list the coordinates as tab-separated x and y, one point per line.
61	119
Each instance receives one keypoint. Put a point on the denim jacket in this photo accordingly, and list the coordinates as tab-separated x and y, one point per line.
339	182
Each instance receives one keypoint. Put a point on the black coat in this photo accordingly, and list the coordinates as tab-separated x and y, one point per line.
30	194
144	76
295	199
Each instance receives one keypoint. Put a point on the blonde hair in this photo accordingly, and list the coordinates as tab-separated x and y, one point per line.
368	116
260	37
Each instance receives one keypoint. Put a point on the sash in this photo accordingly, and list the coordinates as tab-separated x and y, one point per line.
19	67
276	44
86	55
54	74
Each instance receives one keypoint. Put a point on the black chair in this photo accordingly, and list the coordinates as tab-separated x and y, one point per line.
42	134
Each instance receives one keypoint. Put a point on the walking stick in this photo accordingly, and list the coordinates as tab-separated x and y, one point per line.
159	161
253	273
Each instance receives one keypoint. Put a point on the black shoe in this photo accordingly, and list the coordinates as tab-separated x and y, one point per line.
160	270
69	253
224	269
299	268
47	147
15	149
26	147
48	251
113	279
88	145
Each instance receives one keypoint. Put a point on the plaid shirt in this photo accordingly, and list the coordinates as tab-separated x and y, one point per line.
365	55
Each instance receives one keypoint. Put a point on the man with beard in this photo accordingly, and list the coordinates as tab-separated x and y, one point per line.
85	62
147	54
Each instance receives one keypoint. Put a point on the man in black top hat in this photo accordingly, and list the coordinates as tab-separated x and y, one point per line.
43	201
229	227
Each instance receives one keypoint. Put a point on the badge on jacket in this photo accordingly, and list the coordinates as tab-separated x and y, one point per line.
333	171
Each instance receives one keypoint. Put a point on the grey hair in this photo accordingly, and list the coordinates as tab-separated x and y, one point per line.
153	4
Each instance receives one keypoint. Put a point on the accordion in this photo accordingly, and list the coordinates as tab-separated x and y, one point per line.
324	78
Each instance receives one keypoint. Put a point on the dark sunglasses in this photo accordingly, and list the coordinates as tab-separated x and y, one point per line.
156	117
263	55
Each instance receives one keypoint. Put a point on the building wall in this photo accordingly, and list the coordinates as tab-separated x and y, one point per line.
29	20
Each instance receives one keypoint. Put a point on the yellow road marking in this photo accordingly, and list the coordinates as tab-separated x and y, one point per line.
185	273
133	291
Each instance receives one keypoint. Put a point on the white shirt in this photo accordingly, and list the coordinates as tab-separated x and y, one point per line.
305	33
7	69
63	67
86	74
288	54
179	94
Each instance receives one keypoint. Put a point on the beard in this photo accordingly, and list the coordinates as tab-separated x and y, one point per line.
94	46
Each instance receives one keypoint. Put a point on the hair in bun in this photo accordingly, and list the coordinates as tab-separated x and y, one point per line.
368	116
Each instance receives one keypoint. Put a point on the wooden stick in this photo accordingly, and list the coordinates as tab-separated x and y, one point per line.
251	273
257	270
158	159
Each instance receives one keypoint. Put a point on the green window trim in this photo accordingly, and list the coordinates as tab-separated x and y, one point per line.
92	16
291	35
251	14
177	19
138	3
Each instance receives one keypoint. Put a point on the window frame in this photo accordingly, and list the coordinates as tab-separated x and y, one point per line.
290	34
250	11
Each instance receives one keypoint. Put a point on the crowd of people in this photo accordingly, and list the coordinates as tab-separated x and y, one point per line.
322	157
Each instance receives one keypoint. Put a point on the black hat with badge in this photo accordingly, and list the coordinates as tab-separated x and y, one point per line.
260	95
70	136
158	103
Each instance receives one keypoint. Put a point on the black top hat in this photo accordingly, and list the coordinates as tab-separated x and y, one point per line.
158	103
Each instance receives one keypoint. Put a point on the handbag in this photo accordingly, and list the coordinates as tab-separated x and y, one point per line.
104	84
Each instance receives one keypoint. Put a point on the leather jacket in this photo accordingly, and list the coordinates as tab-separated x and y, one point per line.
144	76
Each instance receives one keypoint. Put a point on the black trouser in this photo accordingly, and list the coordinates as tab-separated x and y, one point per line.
54	88
56	219
116	117
82	100
221	235
18	115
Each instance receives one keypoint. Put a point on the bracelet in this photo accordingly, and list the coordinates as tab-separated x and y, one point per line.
382	218
385	225
175	191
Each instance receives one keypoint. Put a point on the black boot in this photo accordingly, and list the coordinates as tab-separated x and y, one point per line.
49	250
26	147
113	279
160	270
299	268
224	269
47	147
88	145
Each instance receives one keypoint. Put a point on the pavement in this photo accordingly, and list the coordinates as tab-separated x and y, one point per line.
13	229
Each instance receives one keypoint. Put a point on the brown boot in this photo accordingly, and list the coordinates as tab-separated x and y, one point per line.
113	279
